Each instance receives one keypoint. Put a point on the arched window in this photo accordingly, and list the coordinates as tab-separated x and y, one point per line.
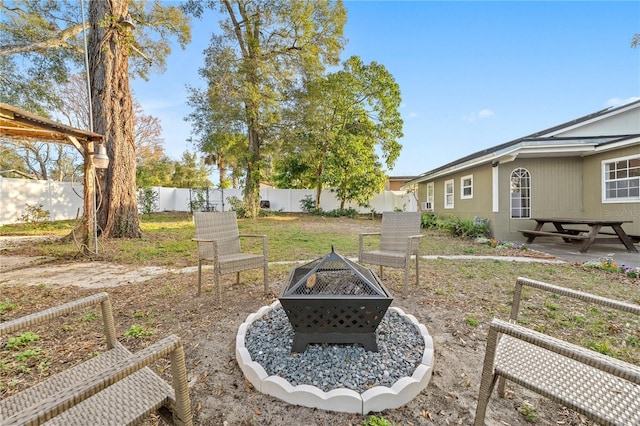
520	194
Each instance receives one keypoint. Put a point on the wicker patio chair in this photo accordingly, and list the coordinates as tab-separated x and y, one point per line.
604	389
219	242
115	386
399	238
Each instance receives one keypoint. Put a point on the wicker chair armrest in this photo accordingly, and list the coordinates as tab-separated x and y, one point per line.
369	234
585	297
48	314
61	402
414	243
577	353
209	240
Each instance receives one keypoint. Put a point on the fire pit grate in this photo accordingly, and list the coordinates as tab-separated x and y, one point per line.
334	300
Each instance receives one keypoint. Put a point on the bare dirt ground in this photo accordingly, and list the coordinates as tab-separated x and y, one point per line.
166	302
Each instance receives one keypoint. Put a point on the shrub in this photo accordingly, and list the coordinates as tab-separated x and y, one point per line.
429	220
148	200
238	206
308	205
34	214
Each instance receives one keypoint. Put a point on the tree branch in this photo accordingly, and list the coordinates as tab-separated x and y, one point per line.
59	40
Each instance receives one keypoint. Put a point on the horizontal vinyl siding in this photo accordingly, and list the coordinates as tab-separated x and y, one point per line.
556	189
465	208
593	206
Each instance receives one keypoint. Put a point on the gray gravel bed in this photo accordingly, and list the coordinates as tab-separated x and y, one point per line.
326	366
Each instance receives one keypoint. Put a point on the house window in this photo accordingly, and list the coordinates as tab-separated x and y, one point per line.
520	194
466	187
428	204
448	194
621	179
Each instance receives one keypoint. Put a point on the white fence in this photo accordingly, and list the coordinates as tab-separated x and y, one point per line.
63	200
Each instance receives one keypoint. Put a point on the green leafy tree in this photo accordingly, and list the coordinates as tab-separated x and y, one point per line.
155	172
217	115
191	172
273	45
349	131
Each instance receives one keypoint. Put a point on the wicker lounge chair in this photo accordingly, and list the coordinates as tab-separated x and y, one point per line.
219	242
604	389
114	387
399	239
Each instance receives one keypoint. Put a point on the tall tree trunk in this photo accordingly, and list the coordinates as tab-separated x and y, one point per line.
113	117
252	185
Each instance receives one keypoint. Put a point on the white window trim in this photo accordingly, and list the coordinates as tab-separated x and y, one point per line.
429	198
453	193
604	186
462	195
511	196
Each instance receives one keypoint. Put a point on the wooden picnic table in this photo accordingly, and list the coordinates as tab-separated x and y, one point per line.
587	237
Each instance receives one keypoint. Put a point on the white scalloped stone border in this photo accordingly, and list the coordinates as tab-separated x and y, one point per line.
376	399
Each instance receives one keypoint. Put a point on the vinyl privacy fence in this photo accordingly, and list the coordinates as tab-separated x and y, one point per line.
63	200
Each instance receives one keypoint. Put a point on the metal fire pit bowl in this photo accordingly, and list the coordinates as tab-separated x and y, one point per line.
334	300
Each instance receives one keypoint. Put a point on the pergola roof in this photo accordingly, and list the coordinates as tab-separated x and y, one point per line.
16	123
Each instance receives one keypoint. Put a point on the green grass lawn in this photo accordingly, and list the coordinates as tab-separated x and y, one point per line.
480	288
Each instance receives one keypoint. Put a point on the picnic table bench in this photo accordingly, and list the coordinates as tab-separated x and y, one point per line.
588	237
114	387
604	389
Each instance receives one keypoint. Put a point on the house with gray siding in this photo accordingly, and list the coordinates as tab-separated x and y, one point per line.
588	168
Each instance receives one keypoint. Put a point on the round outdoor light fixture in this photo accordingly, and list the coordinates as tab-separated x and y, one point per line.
100	158
128	22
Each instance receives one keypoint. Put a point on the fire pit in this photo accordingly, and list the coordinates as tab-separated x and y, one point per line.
334	300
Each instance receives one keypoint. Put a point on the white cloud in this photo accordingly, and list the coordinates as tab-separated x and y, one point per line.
470	118
473	116
614	102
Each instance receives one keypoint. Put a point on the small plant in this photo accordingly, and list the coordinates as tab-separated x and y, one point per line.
308	205
602	347
472	322
429	220
148	200
138	332
23	340
89	317
7	305
43	366
376	421
238	206
529	412
26	354
34	214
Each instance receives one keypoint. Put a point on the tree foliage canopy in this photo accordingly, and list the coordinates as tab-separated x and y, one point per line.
267	48
346	132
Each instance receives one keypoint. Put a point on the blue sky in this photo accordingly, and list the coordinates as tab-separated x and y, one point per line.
472	74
